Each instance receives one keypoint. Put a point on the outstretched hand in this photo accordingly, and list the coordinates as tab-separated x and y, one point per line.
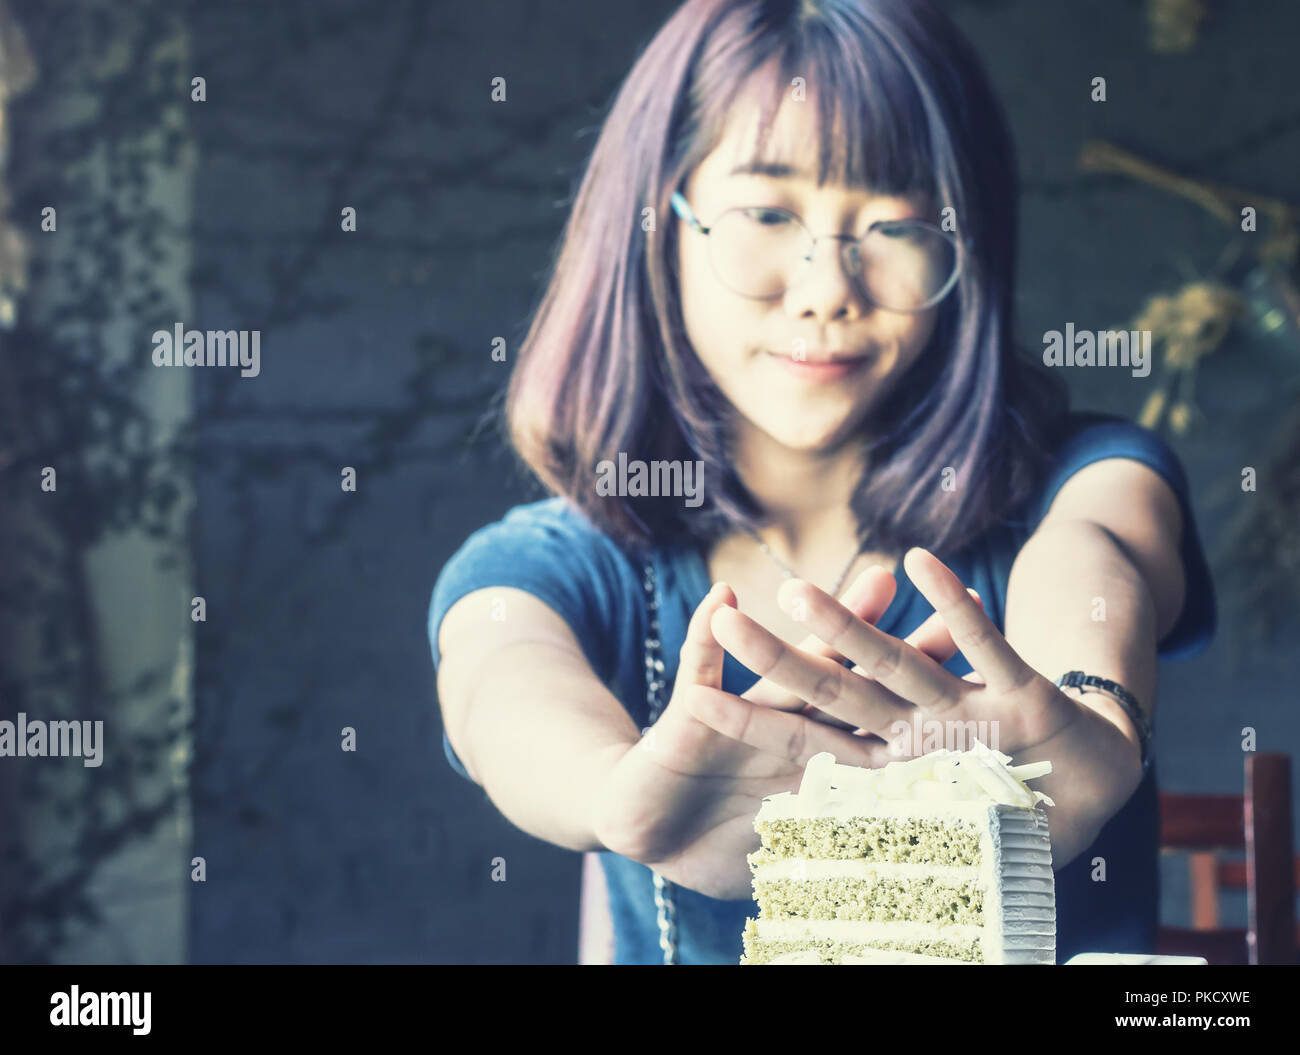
681	799
868	598
892	679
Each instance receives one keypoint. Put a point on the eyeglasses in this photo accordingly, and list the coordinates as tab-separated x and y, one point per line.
760	252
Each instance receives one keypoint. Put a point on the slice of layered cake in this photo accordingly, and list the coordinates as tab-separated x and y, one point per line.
944	858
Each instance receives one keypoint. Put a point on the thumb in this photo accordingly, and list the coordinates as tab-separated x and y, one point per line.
701	657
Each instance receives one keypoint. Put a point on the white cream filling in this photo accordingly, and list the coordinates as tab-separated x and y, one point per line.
899	956
849	930
809	868
867	956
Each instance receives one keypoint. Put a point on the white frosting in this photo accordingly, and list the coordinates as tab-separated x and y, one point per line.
979	775
786	805
1020	901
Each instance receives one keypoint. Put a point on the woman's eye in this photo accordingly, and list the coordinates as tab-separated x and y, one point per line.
766	217
899	232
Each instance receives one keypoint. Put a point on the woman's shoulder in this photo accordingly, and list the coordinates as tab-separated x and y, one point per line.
1093	427
554	517
1089	437
1086	437
547	548
550	534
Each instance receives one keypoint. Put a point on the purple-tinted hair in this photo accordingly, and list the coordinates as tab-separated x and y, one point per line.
606	366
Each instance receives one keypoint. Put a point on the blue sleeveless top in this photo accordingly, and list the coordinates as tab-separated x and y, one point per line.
551	550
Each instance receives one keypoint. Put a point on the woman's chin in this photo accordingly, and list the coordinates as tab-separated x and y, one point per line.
821	440
803	430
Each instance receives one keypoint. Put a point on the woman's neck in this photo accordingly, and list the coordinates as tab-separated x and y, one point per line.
806	498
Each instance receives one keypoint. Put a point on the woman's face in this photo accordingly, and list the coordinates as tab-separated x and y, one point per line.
751	347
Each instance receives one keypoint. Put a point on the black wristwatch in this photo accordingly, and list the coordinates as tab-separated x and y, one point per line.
1077	679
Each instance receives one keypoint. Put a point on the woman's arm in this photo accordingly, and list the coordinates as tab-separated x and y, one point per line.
1094	589
527	715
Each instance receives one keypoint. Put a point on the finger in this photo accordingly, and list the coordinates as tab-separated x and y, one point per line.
973	632
908	673
788	736
701	657
817	680
809	711
869	598
932	636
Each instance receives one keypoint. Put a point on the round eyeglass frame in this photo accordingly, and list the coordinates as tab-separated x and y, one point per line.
683	209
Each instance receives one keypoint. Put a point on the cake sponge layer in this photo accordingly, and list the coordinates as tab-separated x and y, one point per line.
876	898
902	840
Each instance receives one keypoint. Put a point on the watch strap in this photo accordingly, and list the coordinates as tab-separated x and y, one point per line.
1077	679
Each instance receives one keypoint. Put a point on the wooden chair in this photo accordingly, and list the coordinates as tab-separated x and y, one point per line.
1257	823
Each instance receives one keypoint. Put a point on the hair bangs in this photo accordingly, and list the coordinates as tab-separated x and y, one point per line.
870	124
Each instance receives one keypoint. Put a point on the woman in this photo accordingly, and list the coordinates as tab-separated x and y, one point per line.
790	266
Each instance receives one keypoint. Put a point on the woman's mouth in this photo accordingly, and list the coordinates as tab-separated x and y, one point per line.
823	369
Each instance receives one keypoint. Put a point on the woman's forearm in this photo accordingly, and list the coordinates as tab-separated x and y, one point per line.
540	736
1075	602
1095	770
